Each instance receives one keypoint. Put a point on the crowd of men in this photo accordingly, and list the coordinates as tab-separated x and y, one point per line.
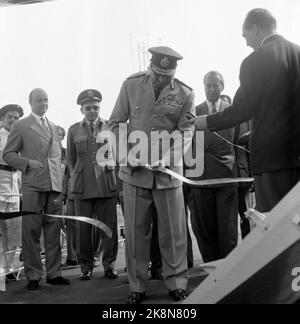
259	128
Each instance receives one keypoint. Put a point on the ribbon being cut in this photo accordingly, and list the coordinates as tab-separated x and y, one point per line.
102	226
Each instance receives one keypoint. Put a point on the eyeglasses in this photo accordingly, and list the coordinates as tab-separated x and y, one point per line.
89	108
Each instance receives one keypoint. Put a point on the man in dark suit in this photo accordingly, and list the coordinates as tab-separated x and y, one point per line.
93	187
214	208
269	93
34	148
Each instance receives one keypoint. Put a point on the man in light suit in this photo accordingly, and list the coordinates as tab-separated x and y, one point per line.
214	211
269	93
154	101
34	148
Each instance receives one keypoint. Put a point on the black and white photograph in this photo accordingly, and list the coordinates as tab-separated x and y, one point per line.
149	155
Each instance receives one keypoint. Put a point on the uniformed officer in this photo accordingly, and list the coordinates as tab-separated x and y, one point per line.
92	186
154	101
10	230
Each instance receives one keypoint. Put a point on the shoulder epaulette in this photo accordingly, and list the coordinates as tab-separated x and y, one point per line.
182	83
138	75
76	124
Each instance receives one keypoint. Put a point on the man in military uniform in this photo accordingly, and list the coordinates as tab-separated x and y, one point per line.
154	101
92	186
10	230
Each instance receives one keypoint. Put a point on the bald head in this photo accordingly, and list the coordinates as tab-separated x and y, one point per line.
259	24
38	100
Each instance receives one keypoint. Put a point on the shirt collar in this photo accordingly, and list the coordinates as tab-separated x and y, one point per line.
4	131
265	39
218	105
38	117
95	122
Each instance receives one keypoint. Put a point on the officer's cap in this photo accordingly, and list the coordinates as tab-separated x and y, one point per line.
164	60
4	110
89	95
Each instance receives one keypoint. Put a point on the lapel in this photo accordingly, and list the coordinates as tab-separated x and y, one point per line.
205	109
38	129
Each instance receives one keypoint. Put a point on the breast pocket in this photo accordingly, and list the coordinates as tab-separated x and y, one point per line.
172	113
81	145
135	113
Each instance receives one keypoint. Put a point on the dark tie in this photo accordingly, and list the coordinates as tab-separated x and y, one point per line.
157	92
213	108
92	127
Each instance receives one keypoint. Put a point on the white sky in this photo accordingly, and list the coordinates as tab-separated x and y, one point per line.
66	46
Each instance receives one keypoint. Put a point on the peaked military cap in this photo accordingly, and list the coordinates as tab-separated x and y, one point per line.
89	95
4	110
164	60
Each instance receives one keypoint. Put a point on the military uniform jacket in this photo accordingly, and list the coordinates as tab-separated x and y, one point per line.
136	104
88	179
219	156
28	140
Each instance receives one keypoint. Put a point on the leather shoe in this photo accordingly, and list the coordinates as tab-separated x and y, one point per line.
33	285
58	281
86	275
178	294
111	274
136	298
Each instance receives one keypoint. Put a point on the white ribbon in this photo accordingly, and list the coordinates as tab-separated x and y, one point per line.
200	182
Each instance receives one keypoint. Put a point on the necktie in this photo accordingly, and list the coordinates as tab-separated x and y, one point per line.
157	92
92	127
44	124
213	108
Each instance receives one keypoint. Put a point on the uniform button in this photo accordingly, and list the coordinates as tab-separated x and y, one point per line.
154	116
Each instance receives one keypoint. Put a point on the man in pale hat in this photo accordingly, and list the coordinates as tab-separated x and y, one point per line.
154	101
93	187
10	230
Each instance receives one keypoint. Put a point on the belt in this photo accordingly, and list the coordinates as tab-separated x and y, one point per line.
7	168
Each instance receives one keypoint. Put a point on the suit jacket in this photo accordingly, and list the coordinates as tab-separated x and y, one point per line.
88	179
137	104
269	93
219	156
242	164
29	141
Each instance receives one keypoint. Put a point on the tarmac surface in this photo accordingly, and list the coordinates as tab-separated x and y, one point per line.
99	290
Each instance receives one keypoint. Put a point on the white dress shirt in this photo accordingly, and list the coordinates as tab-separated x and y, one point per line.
39	120
217	104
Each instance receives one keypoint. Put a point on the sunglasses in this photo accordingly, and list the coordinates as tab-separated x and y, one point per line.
89	108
